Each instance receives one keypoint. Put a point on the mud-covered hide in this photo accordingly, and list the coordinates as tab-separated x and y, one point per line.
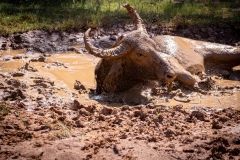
198	56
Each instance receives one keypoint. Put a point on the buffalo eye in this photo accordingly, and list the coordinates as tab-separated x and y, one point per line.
139	54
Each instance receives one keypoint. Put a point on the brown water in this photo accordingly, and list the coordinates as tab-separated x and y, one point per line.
64	69
67	67
77	67
215	100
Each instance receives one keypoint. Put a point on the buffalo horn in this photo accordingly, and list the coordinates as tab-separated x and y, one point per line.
137	20
111	53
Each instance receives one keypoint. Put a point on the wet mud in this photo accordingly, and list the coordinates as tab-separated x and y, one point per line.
49	110
127	132
55	41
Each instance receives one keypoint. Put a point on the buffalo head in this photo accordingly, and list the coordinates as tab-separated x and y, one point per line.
133	59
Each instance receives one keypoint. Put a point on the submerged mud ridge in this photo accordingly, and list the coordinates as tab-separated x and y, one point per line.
126	132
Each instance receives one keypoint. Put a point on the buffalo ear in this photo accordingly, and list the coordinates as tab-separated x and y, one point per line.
111	82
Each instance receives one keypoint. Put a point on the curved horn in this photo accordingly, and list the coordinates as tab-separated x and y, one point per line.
115	52
137	20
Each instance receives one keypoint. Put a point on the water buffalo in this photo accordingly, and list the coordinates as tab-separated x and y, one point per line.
136	58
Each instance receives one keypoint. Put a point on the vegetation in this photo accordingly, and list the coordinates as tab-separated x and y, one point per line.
24	15
4	110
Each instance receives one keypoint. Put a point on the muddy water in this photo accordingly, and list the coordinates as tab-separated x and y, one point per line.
71	66
62	69
221	99
77	67
65	68
6	63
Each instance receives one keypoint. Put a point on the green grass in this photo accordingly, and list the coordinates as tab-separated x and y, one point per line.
21	18
4	110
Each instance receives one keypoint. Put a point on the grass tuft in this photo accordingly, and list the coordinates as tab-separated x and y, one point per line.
4	110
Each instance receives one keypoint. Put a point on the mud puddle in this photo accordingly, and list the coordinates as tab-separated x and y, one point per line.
60	69
63	69
214	98
66	67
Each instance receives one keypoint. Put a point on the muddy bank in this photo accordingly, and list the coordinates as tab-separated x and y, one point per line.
42	41
127	132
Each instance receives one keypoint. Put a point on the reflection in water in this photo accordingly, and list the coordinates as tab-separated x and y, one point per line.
65	68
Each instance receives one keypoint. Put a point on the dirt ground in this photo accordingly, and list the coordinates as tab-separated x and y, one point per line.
48	110
126	132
